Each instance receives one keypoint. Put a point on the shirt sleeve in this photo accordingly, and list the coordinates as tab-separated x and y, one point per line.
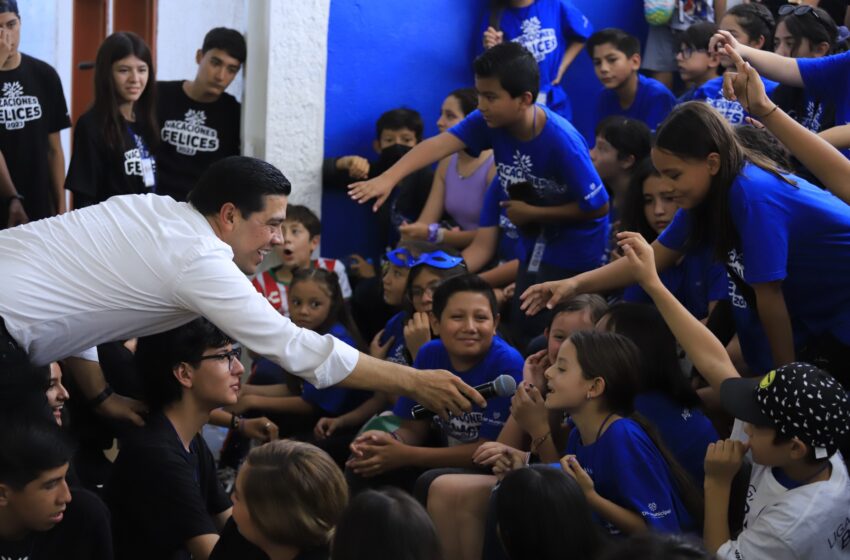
764	538
58	118
212	286
580	175
217	499
827	77
574	25
675	235
472	131
344	284
85	171
424	360
490	208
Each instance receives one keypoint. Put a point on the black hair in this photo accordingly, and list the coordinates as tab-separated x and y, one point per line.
305	217
229	40
23	387
338	312
756	20
660	371
817	26
559	520
762	141
624	42
385	524
616	360
514	66
467	98
158	354
29	445
698	35
442	273
657	546
465	283
630	137
9	6
240	180
107	100
396	119
595	303
693	131
634	217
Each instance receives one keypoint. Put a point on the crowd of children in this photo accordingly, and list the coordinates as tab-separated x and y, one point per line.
668	294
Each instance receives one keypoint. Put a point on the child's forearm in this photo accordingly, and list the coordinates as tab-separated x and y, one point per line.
838	136
438	457
501	275
425	153
285	405
773	313
716	528
277	390
459	239
567	212
772	66
623	519
482	248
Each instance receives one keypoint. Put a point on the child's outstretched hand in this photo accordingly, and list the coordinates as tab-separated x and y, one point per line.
379	188
745	86
640	256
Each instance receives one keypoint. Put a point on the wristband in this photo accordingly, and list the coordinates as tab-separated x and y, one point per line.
12	197
396	437
433	229
537	442
441	234
764	116
98	400
234	422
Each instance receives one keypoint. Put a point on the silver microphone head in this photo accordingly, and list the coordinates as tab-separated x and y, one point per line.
505	385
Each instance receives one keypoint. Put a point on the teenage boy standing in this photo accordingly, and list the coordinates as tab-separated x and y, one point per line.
32	113
200	122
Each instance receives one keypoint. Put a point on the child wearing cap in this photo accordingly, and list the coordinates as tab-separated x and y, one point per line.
796	418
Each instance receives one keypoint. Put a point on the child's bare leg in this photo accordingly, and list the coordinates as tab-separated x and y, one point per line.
458	505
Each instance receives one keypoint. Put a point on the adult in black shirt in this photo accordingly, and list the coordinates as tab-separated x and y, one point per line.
41	518
32	112
165	497
200	123
114	140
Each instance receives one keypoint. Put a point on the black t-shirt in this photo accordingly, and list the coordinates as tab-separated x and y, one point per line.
233	546
160	495
82	533
193	136
32	106
97	172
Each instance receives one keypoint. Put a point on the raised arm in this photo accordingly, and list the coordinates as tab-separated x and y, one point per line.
771	65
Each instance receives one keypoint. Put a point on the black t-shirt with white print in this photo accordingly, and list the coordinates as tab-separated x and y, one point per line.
32	106
83	533
97	172
193	136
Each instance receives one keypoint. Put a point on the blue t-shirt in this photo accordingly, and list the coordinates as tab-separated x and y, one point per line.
557	163
695	281
685	431
828	78
335	400
653	102
492	214
395	328
712	93
628	470
501	359
797	234
546	28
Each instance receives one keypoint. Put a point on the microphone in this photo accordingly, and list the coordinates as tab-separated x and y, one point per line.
502	386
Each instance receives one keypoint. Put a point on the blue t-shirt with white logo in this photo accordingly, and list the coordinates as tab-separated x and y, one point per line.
712	93
653	102
557	163
493	215
685	431
628	470
336	400
395	328
501	359
828	78
799	235
546	28
696	281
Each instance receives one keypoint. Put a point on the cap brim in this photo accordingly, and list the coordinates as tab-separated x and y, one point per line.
738	397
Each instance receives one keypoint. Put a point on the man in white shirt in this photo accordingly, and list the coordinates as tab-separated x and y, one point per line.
142	264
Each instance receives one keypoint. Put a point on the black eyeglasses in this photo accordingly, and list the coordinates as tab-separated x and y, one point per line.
688	52
798	10
234	354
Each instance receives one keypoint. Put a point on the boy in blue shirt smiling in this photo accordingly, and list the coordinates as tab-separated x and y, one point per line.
531	144
616	61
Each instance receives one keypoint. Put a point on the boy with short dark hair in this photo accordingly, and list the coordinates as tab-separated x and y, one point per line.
563	194
616	61
200	122
696	64
41	518
302	232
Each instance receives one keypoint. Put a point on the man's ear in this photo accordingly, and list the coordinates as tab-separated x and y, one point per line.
198	56
227	216
184	374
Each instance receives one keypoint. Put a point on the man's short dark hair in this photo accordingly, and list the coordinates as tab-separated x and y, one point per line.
305	217
241	180
229	40
29	445
396	119
463	283
9	6
628	44
513	65
158	354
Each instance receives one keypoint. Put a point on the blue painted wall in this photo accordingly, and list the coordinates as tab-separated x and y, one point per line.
384	54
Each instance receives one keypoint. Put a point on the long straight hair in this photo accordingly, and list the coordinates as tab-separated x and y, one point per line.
106	99
692	131
338	312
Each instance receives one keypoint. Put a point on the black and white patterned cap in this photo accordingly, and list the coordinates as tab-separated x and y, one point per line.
798	399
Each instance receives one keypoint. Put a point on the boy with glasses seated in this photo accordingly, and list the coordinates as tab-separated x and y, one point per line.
696	64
